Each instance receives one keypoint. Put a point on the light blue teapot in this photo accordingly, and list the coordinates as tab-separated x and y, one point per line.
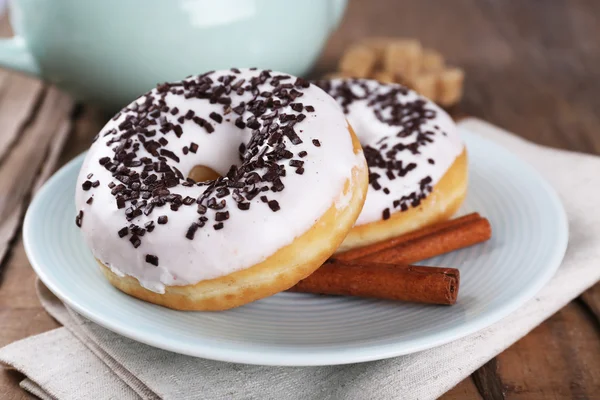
111	51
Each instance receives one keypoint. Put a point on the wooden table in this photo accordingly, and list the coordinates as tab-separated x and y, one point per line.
531	67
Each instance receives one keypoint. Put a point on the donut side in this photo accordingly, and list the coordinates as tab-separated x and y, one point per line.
444	201
278	272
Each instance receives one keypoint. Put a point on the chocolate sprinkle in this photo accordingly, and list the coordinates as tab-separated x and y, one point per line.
135	241
163	219
149	226
316	143
192	231
216	117
79	219
151	259
222	216
274	205
170	154
386	214
123	232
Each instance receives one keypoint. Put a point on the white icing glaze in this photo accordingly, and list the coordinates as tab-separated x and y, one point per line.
248	236
371	131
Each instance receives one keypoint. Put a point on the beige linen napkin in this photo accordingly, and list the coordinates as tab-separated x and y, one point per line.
83	360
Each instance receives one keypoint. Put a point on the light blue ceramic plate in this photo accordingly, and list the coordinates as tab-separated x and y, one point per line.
529	241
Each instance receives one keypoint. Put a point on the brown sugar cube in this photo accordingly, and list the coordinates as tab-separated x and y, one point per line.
384	77
403	57
426	85
358	61
432	61
378	45
450	86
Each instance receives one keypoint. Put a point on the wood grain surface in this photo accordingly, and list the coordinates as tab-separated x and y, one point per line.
532	67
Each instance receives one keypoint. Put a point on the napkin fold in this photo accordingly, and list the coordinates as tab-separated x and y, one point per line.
83	360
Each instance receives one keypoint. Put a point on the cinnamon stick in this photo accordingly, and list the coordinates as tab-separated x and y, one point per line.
383	281
382	270
425	243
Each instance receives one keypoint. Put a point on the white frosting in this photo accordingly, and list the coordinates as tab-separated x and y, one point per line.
248	236
444	147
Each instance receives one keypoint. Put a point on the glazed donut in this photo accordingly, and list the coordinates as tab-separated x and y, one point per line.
280	180
417	161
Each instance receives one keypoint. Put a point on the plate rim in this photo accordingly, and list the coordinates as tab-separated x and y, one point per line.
307	356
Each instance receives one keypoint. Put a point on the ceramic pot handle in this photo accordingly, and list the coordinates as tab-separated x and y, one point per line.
15	55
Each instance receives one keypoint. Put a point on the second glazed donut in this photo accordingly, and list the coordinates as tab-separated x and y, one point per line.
417	161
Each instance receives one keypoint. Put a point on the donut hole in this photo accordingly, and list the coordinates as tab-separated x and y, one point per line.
202	173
